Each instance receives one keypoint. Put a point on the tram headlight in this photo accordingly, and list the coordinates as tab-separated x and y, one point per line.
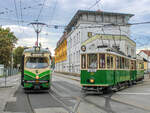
91	80
37	77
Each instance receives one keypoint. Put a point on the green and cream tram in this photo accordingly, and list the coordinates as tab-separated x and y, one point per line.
105	70
36	71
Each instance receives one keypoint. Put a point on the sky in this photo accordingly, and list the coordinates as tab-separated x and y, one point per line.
18	14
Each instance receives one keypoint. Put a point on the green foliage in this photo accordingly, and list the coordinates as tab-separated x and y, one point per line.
17	55
7	42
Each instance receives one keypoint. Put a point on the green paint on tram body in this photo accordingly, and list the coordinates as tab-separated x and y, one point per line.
29	76
109	77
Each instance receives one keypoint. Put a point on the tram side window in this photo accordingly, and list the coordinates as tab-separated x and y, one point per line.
123	63
134	65
108	61
117	62
120	63
139	65
142	65
102	60
126	63
83	61
92	60
111	58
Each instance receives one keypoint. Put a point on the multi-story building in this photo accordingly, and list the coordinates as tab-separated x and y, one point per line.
109	28
61	54
146	55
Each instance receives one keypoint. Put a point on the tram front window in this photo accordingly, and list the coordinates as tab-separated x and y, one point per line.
36	62
92	61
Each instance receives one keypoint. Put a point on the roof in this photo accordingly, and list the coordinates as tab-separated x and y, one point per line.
80	12
32	50
147	52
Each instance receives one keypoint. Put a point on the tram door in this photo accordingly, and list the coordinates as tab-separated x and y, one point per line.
132	70
117	69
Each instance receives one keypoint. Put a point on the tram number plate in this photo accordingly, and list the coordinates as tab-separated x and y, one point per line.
91	70
36	87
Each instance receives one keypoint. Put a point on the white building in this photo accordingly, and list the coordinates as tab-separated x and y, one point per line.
109	28
1	69
146	55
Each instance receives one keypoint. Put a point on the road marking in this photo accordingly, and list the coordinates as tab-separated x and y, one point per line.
125	93
51	110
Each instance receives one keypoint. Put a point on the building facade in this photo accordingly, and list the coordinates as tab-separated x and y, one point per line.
109	28
146	55
61	54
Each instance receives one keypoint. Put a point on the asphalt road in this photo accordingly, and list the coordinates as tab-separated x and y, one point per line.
65	97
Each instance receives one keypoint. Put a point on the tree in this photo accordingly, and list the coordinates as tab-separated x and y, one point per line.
17	55
7	42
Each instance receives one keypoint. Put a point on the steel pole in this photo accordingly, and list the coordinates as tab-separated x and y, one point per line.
37	37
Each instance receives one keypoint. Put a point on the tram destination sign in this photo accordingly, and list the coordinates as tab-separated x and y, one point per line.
37	54
91	70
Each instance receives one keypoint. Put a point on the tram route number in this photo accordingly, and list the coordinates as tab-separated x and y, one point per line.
91	70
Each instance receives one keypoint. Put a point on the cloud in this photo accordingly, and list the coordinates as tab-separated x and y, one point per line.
46	38
60	12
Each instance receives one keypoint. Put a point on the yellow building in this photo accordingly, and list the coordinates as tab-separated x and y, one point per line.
145	54
145	65
61	50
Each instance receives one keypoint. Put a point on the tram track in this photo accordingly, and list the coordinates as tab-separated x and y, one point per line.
54	95
61	99
108	98
29	104
79	99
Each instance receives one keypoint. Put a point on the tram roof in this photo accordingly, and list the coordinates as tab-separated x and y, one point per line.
32	50
112	53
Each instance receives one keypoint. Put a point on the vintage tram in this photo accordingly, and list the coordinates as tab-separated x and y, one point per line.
108	69
36	71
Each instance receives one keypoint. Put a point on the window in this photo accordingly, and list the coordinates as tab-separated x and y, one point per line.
83	61
102	60
133	64
111	61
37	62
92	60
126	64
123	63
120	63
142	65
108	61
117	62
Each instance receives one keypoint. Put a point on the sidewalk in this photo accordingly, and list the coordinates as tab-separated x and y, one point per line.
7	93
9	80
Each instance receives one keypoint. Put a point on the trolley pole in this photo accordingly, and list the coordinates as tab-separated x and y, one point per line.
38	28
37	38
